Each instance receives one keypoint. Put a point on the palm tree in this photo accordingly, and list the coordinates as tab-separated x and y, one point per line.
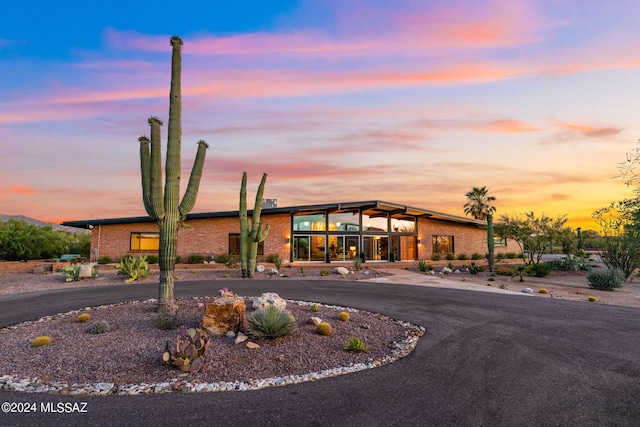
479	203
479	206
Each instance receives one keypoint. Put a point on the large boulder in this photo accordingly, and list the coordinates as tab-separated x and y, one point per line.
268	299
224	315
342	270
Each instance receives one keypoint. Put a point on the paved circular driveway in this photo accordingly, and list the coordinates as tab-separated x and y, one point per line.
485	360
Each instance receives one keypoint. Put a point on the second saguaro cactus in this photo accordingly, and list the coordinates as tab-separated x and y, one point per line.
164	208
251	232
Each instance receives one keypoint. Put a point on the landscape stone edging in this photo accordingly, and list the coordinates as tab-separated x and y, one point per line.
27	385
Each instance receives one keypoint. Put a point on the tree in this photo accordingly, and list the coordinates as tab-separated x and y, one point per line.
164	208
479	207
620	229
531	233
479	203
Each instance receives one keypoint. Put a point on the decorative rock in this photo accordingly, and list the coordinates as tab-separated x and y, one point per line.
315	320
273	272
342	270
231	334
85	270
260	268
252	345
241	338
456	271
446	270
527	290
223	315
268	299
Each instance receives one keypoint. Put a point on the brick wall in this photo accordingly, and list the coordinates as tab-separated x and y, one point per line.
468	238
209	236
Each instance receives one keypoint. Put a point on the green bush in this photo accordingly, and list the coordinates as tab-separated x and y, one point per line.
501	256
541	269
450	256
105	259
355	345
475	268
275	259
178	259
272	322
133	268
423	265
568	263
196	259
436	257
463	257
513	255
100	327
476	256
605	280
227	259
153	259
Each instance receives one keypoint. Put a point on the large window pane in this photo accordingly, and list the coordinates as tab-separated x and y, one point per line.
234	244
315	222
403	225
443	245
336	248
317	248
375	223
345	221
145	241
375	248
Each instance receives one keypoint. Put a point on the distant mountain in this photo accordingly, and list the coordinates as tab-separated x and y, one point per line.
38	223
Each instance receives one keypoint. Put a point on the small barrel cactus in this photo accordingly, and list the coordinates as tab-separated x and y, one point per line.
344	316
84	317
100	327
593	299
40	341
543	291
314	308
323	329
355	345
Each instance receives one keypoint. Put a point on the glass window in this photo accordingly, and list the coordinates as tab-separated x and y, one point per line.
344	221
403	225
375	248
499	241
145	241
443	245
234	244
315	222
374	223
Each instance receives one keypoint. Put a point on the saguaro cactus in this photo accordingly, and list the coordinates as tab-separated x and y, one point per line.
254	234
164	209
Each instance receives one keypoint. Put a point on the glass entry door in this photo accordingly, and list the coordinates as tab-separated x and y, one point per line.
309	248
343	248
376	248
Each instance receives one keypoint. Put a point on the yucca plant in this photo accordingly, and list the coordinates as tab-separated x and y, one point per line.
271	322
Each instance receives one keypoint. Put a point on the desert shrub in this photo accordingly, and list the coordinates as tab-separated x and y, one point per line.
512	255
84	317
344	316
355	345
463	257
504	271
323	329
72	272
178	259
436	257
133	268
196	259
100	327
491	279
314	308
543	291
450	256
226	259
324	272
105	259
605	280
423	265
271	322
567	263
153	259
476	256
541	269
503	286
275	259
501	256
40	341
357	263
475	268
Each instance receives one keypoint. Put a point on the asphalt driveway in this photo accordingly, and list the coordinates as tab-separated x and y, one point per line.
485	360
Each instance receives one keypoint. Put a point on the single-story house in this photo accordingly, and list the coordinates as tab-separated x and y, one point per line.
374	230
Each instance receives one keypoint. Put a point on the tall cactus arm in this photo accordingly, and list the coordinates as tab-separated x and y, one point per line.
244	227
155	183
172	167
189	198
145	171
257	207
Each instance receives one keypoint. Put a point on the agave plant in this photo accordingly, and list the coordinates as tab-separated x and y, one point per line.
188	354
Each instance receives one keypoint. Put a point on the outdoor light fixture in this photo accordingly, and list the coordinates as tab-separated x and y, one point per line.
419	241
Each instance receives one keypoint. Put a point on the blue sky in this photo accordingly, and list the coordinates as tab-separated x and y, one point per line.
406	101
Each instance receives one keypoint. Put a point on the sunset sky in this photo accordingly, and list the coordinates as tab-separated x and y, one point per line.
412	102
